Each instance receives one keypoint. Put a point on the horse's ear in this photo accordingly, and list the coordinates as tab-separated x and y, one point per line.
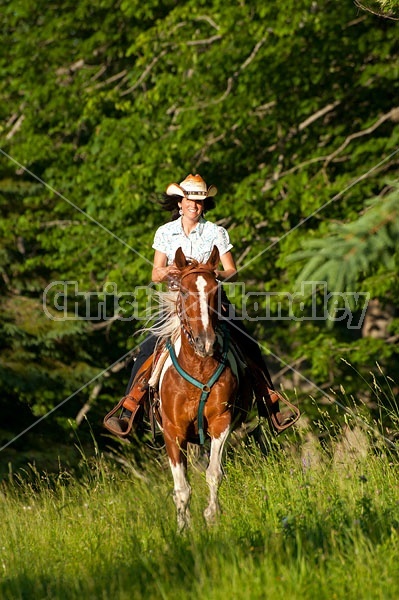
214	259
180	259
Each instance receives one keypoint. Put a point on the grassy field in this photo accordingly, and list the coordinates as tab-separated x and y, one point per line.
305	521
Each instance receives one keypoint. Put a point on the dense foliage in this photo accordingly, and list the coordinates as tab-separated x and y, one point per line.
290	109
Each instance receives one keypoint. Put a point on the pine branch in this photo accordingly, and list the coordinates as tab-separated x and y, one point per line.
354	249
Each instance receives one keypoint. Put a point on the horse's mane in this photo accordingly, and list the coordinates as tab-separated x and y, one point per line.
166	320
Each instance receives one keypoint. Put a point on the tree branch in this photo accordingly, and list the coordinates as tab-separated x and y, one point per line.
210	142
208	19
392	114
144	73
227	91
111	79
201	105
264	107
98	387
373	12
99	73
311	119
243	255
320	113
87	405
251	57
60	223
207	41
104	324
16	127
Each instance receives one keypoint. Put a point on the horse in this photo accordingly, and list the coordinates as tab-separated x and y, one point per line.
199	391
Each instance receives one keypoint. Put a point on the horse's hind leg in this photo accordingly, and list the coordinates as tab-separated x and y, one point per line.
214	476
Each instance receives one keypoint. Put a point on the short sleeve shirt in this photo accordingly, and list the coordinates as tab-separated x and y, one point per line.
198	244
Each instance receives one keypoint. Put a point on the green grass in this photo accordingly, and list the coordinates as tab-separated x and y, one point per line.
303	522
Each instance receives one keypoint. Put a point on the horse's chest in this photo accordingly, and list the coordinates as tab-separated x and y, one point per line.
174	389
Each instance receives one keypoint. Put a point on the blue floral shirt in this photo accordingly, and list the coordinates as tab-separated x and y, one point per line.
197	245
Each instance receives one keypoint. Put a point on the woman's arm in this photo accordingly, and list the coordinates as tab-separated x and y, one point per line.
229	272
161	271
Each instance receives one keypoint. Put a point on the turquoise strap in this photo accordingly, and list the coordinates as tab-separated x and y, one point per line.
204	387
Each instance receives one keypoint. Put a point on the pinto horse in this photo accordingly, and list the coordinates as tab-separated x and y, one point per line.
198	388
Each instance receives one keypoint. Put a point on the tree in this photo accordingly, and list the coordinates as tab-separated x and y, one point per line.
384	8
358	250
289	110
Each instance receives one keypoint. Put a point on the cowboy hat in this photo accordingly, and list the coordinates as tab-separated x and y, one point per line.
192	188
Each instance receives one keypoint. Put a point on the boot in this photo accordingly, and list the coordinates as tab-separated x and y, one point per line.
267	401
280	420
131	405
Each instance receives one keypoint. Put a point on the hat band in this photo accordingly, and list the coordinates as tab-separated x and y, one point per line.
192	193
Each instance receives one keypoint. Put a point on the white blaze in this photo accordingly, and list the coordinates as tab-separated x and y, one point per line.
201	285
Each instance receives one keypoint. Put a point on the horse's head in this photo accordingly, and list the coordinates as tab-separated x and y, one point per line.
197	300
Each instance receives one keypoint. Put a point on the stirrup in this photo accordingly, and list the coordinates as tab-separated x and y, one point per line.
295	412
107	422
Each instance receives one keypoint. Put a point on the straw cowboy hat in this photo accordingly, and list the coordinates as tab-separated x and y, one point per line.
192	188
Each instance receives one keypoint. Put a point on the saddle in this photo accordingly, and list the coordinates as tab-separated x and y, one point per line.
143	396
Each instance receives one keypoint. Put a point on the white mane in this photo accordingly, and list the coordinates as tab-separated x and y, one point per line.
166	322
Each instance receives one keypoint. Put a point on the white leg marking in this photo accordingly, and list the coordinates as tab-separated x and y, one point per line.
214	475
201	285
181	495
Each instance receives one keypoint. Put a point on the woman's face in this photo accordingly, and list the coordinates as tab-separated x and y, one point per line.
192	209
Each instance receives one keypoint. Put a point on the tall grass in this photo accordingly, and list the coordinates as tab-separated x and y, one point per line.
305	521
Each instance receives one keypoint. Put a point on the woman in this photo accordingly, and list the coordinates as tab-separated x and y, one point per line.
189	230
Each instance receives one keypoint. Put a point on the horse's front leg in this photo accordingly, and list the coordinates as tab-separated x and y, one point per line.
177	453
214	475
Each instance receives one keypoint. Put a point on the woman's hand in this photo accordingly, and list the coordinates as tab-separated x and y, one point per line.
227	275
161	271
229	272
165	274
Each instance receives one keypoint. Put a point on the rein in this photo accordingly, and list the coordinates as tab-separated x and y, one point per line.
204	387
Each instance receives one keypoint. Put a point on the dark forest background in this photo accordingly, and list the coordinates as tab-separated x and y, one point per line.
291	109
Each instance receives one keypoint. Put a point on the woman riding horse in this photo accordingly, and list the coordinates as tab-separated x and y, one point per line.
196	236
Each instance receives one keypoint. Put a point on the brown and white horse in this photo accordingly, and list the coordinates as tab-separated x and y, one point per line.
209	405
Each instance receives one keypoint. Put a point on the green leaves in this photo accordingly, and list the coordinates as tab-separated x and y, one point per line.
287	111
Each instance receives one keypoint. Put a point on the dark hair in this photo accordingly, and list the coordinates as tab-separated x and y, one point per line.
171	204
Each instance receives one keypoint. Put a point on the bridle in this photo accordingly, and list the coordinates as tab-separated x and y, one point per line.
180	305
205	388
